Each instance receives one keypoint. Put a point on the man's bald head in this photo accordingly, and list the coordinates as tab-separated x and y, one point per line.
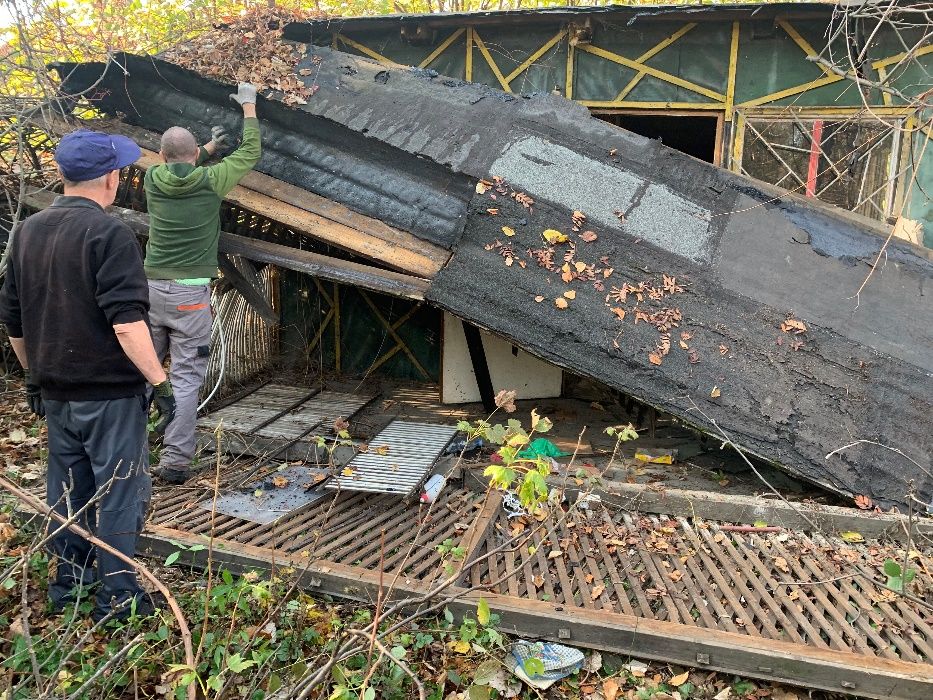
179	146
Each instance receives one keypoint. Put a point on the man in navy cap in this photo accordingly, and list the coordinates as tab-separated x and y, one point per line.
75	303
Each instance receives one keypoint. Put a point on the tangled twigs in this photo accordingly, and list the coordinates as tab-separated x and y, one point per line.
185	633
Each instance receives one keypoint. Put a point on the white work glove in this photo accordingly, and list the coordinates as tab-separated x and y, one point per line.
219	137
245	94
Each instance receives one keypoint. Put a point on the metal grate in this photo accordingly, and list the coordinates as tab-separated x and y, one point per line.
691	572
398	458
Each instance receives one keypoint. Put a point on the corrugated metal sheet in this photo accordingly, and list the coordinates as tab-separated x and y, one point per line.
411	449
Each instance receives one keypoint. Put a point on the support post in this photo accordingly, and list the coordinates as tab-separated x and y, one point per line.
474	342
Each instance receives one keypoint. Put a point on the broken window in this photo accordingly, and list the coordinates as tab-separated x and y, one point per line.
849	162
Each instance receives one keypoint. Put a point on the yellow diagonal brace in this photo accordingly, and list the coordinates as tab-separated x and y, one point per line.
733	65
653	72
395	336
653	51
801	42
790	92
492	64
442	47
365	50
535	56
897	58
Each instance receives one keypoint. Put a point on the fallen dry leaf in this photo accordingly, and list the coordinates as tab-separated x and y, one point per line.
607	272
588	236
781	563
570	294
539	298
483	186
553	236
618	311
492	211
597	591
715	393
610	689
863	502
723	350
555	554
280	482
579	266
508	230
793	325
654	358
680	679
561	303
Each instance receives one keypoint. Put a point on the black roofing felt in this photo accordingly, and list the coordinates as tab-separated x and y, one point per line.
626	13
747	258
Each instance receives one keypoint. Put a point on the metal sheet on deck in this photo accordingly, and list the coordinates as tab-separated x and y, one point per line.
322	408
277	495
412	449
254	409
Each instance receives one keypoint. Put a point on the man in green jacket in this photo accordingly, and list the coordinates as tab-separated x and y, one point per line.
184	198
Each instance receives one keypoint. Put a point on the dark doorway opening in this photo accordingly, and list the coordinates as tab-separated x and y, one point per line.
693	135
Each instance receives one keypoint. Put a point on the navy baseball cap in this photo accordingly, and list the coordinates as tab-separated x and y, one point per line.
84	155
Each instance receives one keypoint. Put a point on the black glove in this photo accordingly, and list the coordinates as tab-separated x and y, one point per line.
34	397
164	400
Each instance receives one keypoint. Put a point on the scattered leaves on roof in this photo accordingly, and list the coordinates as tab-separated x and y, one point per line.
588	236
561	303
508	230
579	220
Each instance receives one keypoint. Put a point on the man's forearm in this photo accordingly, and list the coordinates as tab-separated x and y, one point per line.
136	342
19	349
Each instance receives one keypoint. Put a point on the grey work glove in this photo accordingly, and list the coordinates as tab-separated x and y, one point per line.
164	399
219	137
245	94
34	396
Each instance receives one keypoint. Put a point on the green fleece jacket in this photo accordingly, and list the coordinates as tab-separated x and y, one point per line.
184	209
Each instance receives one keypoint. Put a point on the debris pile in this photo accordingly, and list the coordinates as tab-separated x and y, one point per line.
251	49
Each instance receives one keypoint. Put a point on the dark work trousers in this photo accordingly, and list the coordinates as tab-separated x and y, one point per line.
98	451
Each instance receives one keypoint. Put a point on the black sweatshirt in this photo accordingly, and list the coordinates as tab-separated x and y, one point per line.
73	273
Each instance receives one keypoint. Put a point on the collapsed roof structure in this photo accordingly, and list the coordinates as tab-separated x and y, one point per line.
785	325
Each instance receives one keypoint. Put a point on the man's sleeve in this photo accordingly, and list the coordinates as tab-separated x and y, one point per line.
227	173
10	310
122	290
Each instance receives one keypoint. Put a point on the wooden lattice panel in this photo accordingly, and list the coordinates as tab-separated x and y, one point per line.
790	586
344	527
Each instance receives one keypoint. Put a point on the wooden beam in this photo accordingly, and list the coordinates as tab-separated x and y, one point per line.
528	62
733	66
254	296
687	645
480	44
272	198
653	72
307	212
791	91
442	47
733	508
653	51
322	266
802	43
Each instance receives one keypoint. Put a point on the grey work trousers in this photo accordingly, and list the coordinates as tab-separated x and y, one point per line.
180	318
98	454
